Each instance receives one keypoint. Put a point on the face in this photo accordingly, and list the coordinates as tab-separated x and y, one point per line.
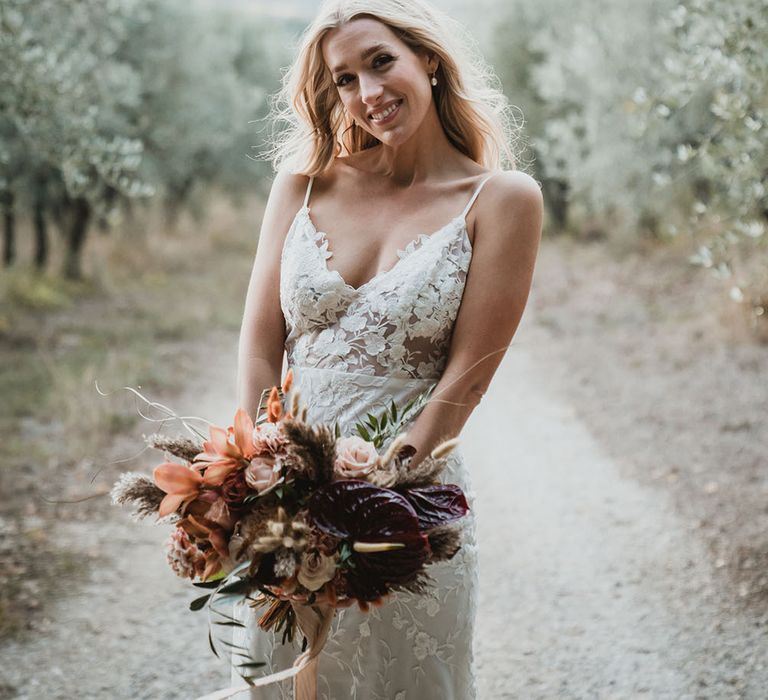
382	83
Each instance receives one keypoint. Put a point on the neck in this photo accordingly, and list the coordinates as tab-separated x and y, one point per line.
426	152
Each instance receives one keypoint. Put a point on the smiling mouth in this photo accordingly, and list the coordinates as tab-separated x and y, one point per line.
387	114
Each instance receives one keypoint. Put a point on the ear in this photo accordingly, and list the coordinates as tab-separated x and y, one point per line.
430	60
434	62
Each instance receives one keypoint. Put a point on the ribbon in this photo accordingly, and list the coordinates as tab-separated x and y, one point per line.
315	623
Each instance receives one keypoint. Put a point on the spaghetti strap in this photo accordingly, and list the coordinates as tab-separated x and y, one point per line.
309	189
474	196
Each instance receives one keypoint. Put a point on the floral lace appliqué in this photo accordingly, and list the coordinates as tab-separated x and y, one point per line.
398	323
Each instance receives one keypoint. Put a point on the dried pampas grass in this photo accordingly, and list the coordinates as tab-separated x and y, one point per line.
311	450
140	491
183	447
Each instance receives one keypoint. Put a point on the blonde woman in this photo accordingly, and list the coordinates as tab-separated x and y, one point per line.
395	253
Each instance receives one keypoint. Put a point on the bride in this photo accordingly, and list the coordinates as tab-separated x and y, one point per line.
380	271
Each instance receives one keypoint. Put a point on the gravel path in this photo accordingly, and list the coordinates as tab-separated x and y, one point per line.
591	587
601	590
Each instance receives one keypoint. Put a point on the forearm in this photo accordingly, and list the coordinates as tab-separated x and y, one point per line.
449	407
254	374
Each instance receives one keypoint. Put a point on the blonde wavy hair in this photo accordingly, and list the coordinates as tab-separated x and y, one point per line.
311	127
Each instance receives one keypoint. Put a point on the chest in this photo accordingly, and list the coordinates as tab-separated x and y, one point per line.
361	249
428	273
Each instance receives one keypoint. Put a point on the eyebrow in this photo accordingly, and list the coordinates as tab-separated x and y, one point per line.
367	52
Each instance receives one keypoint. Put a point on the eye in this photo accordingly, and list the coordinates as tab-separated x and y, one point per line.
380	60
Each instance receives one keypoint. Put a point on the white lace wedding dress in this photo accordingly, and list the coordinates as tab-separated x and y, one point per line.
352	351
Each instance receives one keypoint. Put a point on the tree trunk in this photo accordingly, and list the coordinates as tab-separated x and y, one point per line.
81	216
556	192
9	228
40	224
174	201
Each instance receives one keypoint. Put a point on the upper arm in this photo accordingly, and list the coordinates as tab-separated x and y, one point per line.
263	331
506	241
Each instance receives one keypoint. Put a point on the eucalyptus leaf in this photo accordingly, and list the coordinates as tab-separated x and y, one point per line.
224	615
206	584
211	644
200	602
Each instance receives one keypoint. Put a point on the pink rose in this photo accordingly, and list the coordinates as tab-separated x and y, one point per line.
262	473
355	457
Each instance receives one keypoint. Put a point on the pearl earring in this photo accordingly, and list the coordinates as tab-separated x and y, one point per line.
433	80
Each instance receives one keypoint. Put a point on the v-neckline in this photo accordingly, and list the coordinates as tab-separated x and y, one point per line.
402	253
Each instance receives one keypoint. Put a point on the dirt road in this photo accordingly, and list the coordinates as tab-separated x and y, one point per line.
591	586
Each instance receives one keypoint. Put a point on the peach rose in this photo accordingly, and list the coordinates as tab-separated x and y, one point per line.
355	457
262	473
316	569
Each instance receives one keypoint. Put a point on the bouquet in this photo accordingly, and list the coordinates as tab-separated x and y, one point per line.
297	520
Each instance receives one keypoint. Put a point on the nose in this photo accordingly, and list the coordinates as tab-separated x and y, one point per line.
370	90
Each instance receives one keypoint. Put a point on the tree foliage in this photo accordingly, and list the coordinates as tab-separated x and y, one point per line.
105	102
652	116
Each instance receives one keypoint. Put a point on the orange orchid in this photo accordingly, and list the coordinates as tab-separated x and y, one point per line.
220	456
181	484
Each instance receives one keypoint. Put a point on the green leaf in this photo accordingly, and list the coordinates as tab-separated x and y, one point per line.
212	582
210	643
228	623
241	650
252	664
384	417
363	433
345	551
206	584
224	615
200	602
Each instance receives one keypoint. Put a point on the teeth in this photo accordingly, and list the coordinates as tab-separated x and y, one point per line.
386	112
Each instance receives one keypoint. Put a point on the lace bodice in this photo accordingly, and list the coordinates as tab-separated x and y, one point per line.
398	323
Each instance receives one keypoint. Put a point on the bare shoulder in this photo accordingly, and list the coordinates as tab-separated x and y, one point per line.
286	196
512	205
513	190
288	189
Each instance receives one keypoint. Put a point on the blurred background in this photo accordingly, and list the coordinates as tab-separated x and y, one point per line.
131	195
